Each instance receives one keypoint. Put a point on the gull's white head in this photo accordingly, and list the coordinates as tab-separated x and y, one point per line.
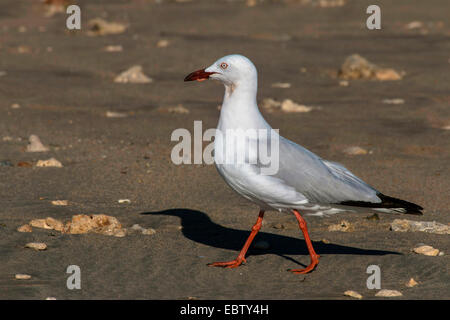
233	70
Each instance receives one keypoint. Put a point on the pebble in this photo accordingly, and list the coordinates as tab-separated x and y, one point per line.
163	43
100	27
21	276
114	114
39	246
343	226
60	202
357	67
97	223
113	48
138	228
355	151
25	228
15	106
133	75
388	293
52	162
124	201
290	106
426	250
35	144
344	83
50	298
411	283
394	101
281	85
353	294
404	225
177	109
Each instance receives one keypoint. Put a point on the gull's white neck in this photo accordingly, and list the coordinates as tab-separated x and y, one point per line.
239	108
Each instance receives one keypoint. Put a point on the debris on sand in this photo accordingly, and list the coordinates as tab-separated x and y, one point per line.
15	106
355	151
138	228
388	293
97	223
100	27
38	246
24	164
124	201
25	228
404	225
394	101
411	283
47	223
133	75
35	144
426	250
163	43
115	114
281	85
60	202
344	83
113	48
343	226
54	6
357	67
52	162
287	106
329	3
21	276
177	109
353	294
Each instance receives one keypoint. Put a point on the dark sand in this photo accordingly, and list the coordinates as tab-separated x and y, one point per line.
64	95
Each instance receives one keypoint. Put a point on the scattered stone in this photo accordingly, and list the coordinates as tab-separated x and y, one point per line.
373	217
53	7
277	226
113	48
353	294
446	127
21	276
35	144
404	225
50	298
97	223
344	83
7	138
25	228
281	85
133	75
394	101
163	43
343	226
39	246
124	201
388	293
357	67
15	106
60	202
290	106
326	241
271	104
329	3
411	283
47	223
138	228
177	109
414	25
426	250
52	162
251	3
23	49
100	27
262	245
355	151
6	163
114	114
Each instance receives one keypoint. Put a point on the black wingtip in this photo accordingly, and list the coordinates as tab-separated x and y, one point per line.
387	203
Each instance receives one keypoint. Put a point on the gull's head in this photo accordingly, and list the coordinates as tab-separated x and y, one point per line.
232	70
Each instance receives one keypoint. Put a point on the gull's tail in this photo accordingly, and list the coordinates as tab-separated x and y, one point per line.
394	204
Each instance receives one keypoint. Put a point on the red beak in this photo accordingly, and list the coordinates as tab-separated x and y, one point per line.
199	75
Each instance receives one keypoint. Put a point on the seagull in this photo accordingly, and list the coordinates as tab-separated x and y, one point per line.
303	182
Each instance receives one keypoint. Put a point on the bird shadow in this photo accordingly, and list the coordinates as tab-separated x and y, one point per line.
198	227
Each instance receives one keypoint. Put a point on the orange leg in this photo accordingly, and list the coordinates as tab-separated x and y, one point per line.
241	257
314	256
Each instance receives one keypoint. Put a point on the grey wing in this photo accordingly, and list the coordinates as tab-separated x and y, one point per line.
320	181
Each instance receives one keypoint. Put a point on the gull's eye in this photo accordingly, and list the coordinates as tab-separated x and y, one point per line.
223	65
